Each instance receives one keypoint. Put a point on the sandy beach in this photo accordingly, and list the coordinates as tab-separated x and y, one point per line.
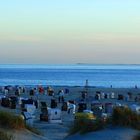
61	131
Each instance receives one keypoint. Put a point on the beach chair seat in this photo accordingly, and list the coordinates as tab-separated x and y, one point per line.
120	97
82	107
43	105
31	92
5	102
12	104
44	110
44	117
53	103
64	106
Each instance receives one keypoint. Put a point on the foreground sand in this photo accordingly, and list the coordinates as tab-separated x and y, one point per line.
107	134
60	131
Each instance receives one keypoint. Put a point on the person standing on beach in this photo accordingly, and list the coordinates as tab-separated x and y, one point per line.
86	85
61	96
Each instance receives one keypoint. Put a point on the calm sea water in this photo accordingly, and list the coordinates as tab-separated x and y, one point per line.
71	75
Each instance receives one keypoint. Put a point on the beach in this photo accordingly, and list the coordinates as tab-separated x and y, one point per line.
69	70
60	131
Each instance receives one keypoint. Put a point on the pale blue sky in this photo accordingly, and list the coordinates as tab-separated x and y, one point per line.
69	31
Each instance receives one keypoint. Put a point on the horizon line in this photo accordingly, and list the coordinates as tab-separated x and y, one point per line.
69	64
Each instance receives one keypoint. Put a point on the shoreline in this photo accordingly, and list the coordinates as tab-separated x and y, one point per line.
70	86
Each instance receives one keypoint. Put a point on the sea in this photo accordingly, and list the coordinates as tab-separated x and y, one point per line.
71	75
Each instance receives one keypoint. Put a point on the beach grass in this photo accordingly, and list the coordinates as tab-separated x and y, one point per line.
9	120
5	136
84	125
126	117
122	117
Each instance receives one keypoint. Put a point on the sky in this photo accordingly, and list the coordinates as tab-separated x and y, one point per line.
69	31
